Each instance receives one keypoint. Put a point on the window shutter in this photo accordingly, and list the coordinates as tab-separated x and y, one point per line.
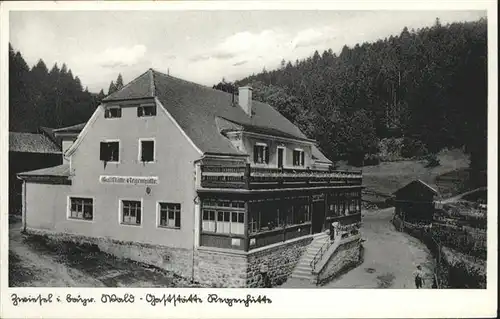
178	219
255	153
103	152
138	215
139	111
142	151
266	150
302	159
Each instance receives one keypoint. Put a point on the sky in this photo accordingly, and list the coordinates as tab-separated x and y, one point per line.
199	46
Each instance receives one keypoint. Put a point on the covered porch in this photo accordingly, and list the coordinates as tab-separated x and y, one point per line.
253	219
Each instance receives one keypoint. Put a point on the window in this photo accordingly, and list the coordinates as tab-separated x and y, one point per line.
208	223
253	222
81	208
170	215
223	222
110	151
131	212
146	110
303	213
147	150
260	153
223	216
237	223
113	112
298	157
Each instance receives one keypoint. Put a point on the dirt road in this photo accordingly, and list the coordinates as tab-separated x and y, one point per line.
390	257
36	262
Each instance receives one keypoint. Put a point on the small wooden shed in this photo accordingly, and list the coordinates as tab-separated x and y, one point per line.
28	151
415	202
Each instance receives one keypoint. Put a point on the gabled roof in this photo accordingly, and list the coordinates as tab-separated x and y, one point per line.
32	143
55	171
195	108
319	156
417	182
77	128
49	132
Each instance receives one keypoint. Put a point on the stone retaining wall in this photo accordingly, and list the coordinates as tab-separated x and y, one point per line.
218	268
266	266
177	260
347	255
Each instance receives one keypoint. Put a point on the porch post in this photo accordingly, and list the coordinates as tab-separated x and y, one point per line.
200	221
309	204
326	212
360	199
245	220
247	175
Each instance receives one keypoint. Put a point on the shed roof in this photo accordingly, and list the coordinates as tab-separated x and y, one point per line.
417	183
32	143
55	171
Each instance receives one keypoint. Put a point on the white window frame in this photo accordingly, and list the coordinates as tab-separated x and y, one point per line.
68	208
139	155
119	149
284	155
158	216
120	211
146	105
266	149
300	157
113	107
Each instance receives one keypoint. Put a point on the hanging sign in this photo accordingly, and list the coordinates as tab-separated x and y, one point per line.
131	180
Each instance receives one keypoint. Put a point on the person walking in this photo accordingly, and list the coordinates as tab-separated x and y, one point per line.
419	277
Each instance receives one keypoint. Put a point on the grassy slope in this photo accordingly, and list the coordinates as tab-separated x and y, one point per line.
387	177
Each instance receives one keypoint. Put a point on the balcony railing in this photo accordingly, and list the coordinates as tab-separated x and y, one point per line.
247	177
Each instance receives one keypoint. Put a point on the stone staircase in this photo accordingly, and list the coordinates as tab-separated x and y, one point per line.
303	269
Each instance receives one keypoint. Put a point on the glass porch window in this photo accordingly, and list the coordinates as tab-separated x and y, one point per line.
223	217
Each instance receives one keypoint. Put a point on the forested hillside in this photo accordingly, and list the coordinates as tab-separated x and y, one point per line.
39	97
428	86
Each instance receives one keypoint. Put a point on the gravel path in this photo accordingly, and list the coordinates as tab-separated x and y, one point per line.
38	262
390	257
31	268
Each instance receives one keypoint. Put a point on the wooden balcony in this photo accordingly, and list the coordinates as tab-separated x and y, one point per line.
247	177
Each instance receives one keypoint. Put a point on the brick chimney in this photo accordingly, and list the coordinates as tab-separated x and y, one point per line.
245	99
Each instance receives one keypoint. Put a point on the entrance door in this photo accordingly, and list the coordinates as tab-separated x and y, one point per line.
280	157
318	217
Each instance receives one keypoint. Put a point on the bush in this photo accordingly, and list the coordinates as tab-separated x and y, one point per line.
371	160
413	148
432	161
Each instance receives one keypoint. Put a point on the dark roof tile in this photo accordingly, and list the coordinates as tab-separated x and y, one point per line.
58	171
32	143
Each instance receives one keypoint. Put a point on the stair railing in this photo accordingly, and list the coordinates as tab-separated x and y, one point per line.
334	230
319	254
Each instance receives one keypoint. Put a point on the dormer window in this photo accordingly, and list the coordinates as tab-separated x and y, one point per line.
146	110
113	112
260	153
298	157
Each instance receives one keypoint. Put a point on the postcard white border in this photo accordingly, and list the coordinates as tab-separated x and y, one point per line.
287	303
